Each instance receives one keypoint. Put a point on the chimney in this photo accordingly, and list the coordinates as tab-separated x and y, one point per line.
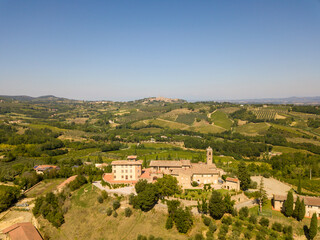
209	156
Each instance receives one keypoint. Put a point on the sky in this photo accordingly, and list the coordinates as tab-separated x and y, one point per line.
193	50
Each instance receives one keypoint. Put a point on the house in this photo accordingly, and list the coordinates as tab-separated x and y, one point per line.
43	168
312	204
124	171
232	183
22	231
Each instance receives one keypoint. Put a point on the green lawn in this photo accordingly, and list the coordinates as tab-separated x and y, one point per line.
253	129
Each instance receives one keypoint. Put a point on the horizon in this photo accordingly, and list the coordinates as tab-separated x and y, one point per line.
196	51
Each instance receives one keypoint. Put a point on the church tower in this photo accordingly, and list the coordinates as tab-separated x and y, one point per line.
209	156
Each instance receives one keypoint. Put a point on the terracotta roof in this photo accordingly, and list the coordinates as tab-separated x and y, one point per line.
312	201
229	179
45	167
145	174
132	157
22	231
66	182
126	162
107	177
185	162
195	169
165	163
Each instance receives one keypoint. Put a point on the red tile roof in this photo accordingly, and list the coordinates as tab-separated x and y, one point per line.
66	182
145	174
229	179
126	162
22	231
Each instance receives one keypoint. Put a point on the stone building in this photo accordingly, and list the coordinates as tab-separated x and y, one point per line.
232	184
312	204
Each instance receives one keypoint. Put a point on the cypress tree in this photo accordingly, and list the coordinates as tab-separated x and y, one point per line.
289	205
313	226
296	208
216	205
302	211
204	206
299	185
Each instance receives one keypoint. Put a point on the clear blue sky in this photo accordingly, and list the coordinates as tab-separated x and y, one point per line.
195	50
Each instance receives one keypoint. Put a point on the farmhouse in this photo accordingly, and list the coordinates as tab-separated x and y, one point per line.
124	171
232	183
187	172
43	168
22	231
312	204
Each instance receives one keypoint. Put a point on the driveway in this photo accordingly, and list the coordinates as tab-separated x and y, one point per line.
272	186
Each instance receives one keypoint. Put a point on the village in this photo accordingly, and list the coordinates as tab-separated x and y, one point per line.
126	173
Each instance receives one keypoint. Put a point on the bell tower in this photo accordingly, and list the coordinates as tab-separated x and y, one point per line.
209	156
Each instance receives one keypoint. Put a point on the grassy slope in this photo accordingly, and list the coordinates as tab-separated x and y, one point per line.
253	128
86	214
221	119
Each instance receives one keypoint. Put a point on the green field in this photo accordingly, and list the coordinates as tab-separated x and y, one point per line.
44	187
221	119
253	129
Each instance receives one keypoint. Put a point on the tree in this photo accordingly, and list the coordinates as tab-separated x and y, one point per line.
244	213
299	185
313	226
145	164
183	220
115	204
263	198
204	206
216	205
302	211
169	223
228	203
296	208
147	198
167	186
141	185
243	176
288	205
128	212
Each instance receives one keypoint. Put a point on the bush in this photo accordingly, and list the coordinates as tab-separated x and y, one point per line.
206	221
227	220
250	227
109	211
115	214
194	184
212	227
253	219
128	212
115	204
244	213
131	199
287	230
100	199
247	235
169	223
264	222
277	227
104	195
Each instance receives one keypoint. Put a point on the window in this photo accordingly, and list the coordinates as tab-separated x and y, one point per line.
121	176
126	170
130	176
126	176
114	171
131	170
122	171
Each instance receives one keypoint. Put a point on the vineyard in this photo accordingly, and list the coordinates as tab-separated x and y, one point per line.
269	113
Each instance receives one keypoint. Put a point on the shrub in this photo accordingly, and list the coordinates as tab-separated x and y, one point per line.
264	222
253	219
277	227
244	212
194	184
287	230
274	235
128	212
131	199
115	214
247	234
116	204
100	199
169	223
206	221
109	211
212	227
104	195
227	220
250	227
